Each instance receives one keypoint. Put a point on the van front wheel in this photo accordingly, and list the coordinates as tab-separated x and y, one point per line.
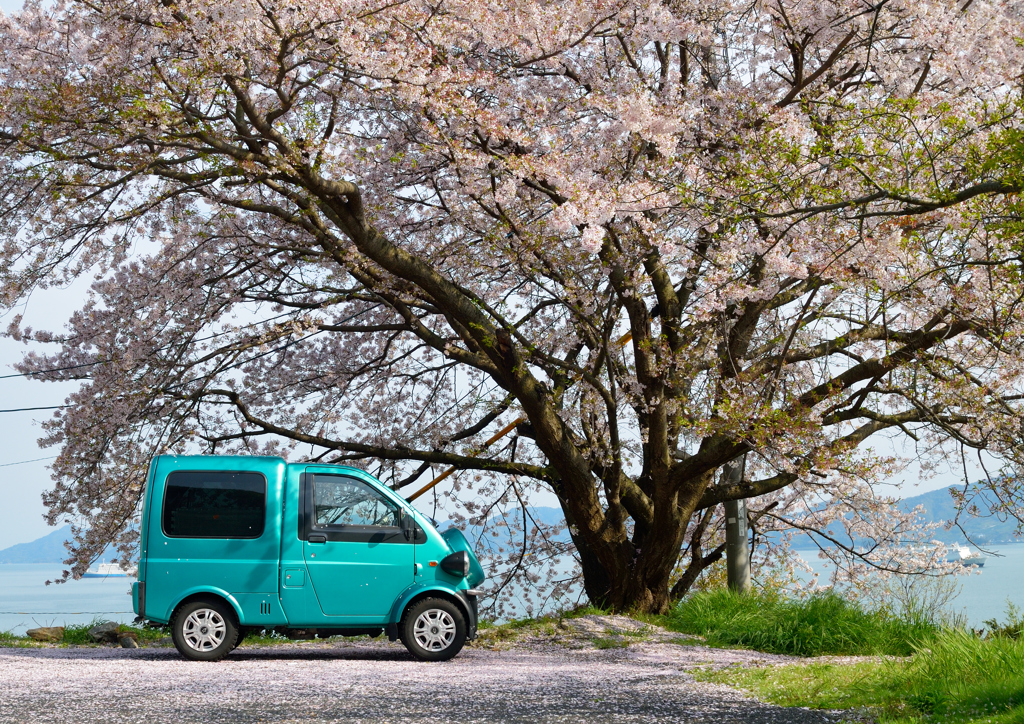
433	629
204	630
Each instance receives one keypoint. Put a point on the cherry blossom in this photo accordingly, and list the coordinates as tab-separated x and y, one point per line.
665	234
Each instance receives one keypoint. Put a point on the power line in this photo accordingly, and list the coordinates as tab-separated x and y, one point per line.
55	369
29	409
22	462
158	349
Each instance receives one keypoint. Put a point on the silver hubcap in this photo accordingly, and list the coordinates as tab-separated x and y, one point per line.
434	630
204	629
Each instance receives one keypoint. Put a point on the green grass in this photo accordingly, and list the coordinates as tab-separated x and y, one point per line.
79	633
610	642
816	686
956	678
262	637
9	640
818	625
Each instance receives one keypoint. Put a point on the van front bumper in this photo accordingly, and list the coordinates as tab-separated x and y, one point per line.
469	597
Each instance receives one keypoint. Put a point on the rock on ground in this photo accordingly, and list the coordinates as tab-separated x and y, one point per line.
104	632
49	634
375	681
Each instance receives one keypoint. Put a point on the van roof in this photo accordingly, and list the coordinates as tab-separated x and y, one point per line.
271	459
224	457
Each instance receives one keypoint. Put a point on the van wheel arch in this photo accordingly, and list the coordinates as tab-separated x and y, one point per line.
209	597
436	594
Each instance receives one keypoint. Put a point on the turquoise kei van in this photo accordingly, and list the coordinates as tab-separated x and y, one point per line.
236	543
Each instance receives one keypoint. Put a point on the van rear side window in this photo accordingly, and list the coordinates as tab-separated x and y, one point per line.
214	505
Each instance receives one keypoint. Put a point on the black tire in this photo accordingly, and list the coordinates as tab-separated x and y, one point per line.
243	631
205	630
433	629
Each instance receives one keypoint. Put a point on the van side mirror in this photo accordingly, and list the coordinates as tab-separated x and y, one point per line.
408	525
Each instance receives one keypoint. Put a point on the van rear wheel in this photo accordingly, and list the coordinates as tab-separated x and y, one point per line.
243	631
204	630
433	629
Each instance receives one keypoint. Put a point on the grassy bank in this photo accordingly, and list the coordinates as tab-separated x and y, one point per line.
816	626
957	678
819	625
932	674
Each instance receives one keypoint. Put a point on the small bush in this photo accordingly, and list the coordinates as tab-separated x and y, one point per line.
1011	629
821	624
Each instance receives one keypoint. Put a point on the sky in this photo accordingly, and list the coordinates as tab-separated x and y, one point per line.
24	476
21	512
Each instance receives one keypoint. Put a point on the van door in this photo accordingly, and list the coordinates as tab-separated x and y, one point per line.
358	559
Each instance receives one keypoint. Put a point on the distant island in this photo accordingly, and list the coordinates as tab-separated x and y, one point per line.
984	530
937	504
48	549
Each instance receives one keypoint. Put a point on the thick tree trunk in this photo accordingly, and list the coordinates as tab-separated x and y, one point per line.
597	584
626	589
639	579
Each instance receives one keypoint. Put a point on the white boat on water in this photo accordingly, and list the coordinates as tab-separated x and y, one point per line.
107	570
964	556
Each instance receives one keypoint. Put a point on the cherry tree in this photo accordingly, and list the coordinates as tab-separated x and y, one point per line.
661	235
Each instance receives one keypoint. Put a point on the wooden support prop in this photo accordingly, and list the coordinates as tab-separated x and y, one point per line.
493	438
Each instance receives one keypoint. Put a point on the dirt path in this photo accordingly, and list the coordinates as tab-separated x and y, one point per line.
373	681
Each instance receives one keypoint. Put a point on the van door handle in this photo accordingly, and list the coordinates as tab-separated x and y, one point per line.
317	538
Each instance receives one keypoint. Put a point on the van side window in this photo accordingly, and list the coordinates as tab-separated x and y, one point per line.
341	500
214	505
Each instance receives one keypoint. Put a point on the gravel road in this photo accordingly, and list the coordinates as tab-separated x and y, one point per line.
374	681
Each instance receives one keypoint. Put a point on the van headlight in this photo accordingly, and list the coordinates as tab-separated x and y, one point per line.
457	564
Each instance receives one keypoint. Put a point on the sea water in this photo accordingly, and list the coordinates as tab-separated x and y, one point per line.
984	592
27	602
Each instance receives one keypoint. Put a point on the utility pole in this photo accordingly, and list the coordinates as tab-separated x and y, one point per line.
737	551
